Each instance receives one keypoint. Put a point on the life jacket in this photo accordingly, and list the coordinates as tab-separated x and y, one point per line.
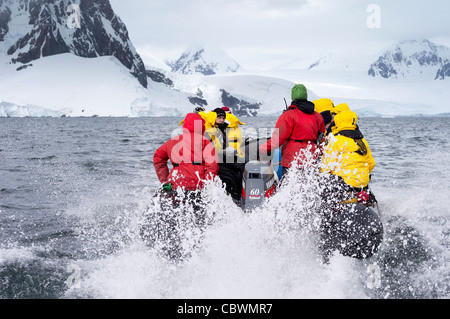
217	135
345	125
234	134
358	137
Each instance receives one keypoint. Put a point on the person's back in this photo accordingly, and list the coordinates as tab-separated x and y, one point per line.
296	130
181	207
345	169
193	157
348	154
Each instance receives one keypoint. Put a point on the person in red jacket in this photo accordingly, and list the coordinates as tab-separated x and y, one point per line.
175	227
296	130
192	155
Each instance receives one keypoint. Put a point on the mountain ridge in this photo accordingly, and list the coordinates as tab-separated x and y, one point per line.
411	58
205	60
40	74
40	29
400	60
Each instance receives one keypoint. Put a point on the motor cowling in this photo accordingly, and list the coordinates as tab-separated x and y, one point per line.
259	182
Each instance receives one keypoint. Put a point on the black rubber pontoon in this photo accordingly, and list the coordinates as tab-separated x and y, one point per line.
356	231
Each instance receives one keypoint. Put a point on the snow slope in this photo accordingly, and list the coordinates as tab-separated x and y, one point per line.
67	85
345	77
406	96
50	69
73	86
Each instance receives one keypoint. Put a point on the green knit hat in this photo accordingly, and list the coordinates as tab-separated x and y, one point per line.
299	92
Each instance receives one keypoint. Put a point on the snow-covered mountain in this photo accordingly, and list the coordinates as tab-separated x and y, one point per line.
412	59
443	72
206	60
32	29
52	65
49	67
418	82
342	62
68	85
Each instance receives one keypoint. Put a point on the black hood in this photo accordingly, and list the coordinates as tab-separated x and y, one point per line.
355	134
304	106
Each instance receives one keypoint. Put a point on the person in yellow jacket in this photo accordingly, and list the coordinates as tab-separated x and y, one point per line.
347	159
345	167
333	111
322	105
223	130
340	108
234	134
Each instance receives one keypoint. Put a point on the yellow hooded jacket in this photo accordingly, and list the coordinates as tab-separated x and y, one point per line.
234	133
343	156
323	105
340	108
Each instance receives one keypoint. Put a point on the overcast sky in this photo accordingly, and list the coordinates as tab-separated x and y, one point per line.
261	34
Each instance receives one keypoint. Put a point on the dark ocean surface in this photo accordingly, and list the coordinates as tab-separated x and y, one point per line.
73	191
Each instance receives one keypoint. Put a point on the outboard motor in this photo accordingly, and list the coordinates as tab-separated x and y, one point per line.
258	183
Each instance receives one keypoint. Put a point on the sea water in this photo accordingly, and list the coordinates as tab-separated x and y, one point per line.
73	192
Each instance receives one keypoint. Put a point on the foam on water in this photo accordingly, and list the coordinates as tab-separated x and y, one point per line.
267	253
15	254
81	238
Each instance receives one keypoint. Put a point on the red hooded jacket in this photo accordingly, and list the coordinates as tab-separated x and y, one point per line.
192	155
296	129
